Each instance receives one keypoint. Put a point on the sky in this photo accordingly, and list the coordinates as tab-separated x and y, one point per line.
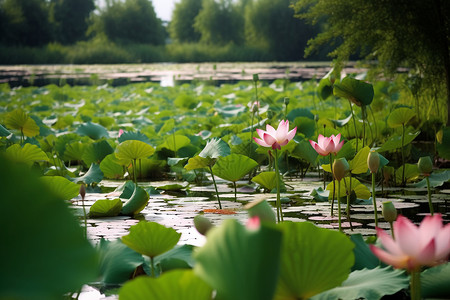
163	8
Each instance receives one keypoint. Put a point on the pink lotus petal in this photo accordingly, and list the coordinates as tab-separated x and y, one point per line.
290	135
406	235
270	140
270	130
386	257
260	133
426	255
443	243
388	242
260	142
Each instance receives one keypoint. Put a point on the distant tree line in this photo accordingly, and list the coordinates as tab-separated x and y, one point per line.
267	24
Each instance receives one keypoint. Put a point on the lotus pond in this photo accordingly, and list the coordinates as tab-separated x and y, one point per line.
145	191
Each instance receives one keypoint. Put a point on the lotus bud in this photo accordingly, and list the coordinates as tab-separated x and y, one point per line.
262	210
286	101
425	165
373	161
82	191
255	77
340	168
202	224
389	211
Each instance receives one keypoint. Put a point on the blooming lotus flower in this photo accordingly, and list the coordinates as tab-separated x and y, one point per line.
327	145
275	138
413	247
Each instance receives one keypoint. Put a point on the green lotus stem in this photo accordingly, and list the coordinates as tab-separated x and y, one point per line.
363	114
152	265
215	187
430	204
85	216
174	143
235	191
277	177
251	133
403	154
339	205
391	225
415	285
354	124
334	185
374	200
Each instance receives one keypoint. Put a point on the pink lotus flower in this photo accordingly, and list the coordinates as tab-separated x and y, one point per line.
413	247
275	138
327	145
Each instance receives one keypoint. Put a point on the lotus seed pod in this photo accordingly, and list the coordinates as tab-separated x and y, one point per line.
425	165
202	224
389	211
286	100
262	210
340	168
255	77
373	161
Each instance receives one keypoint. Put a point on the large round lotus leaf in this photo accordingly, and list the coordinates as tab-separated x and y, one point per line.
411	173
305	126
151	239
266	180
27	154
111	167
44	253
370	284
96	152
133	136
434	281
300	112
358	165
357	91
75	151
313	260
117	261
133	150
400	116
92	130
198	162
175	142
173	285
20	120
62	187
136	203
233	167
105	208
395	141
303	150
240	264
215	148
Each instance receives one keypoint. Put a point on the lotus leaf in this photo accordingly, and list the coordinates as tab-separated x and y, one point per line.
313	260
20	120
174	285
305	126
27	154
175	142
240	264
361	191
151	239
111	167
299	112
198	162
411	173
177	257
105	208
325	88
132	150
357	91
136	203
434	282
134	136
364	257
395	142
436	179
358	165
215	148
443	145
61	187
92	130
266	180
233	167
303	150
75	151
96	152
400	116
4	131
94	174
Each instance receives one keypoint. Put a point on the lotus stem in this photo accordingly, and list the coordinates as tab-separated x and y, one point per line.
430	204
174	143
391	225
415	285
403	155
215	187
152	266
348	192
334	185
339	205
277	178
83	194
354	124
235	193
375	212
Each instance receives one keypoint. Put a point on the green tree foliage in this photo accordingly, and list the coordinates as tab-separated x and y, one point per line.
412	33
271	25
24	22
220	23
181	28
69	19
132	21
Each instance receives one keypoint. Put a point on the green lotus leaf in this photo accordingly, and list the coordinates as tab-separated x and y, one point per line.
4	131
395	142
94	174
111	167
117	261
325	89
320	194
92	130
136	203
133	136
313	260
20	120
174	143
133	150
105	208
266	180
240	264
173	161
173	187
370	284
299	112
44	130
443	145
198	162
306	126
75	151
400	116
173	285
361	191
151	239
411	173
126	188
343	122
215	148
436	179
303	150
61	259
434	282
96	152
230	110
168	126
233	167
357	91
148	167
27	154
364	257
61	142
62	187
179	257
358	165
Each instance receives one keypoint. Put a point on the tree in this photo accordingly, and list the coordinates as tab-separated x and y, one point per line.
69	18
24	22
133	21
219	23
411	33
272	25
181	27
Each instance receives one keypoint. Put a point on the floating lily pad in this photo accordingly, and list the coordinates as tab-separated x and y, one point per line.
105	208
